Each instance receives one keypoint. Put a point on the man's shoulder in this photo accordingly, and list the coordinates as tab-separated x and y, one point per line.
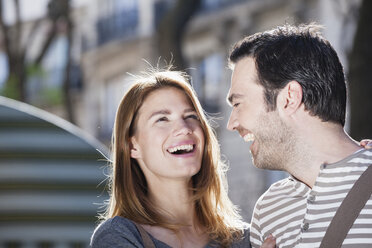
358	161
285	183
363	156
278	188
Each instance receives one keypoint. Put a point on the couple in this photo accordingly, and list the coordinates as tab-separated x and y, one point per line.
288	96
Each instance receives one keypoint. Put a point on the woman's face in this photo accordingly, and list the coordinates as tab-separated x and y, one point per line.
169	140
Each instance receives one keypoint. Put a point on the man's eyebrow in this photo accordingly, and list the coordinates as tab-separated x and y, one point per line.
233	96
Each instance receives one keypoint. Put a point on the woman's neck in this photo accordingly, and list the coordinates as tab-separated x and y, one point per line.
174	201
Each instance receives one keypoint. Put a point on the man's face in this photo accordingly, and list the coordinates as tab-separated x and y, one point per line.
269	135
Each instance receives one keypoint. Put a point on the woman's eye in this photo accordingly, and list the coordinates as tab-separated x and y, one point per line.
162	119
192	117
236	105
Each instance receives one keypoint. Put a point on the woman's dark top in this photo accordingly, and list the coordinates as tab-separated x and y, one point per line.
119	232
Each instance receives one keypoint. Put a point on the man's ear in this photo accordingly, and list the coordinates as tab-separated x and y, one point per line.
135	151
290	98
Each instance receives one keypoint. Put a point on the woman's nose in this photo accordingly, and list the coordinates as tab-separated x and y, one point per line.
182	128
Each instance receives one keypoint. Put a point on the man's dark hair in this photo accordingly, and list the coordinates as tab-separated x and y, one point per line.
302	54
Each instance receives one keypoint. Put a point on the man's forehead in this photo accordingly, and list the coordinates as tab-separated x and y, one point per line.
243	74
234	91
245	69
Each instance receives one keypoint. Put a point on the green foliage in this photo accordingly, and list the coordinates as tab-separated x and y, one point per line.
48	96
11	88
35	70
52	96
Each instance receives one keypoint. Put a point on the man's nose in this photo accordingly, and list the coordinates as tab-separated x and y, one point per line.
232	124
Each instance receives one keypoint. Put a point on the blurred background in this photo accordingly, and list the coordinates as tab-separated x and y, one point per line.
65	65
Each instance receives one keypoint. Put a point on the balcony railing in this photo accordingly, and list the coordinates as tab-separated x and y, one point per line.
212	5
161	7
117	26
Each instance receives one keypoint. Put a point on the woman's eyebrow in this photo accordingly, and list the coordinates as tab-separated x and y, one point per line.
168	112
159	112
189	110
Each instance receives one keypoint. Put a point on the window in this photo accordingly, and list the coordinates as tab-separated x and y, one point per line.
120	20
207	79
114	92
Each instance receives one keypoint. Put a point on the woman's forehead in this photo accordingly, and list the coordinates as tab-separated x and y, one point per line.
167	99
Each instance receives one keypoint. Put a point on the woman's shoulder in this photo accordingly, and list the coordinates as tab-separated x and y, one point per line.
244	241
116	232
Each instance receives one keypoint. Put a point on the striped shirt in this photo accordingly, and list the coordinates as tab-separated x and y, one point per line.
298	216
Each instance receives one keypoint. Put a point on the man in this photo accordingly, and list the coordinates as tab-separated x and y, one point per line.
288	95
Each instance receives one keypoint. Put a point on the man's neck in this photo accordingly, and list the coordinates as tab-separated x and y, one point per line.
321	143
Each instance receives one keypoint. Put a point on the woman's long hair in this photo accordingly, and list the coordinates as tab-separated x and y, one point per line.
128	186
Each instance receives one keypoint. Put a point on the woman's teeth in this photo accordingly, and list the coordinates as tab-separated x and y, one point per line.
186	148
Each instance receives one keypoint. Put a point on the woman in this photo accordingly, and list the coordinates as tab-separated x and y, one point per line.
168	180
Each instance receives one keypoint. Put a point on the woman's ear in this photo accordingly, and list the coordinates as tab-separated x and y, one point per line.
290	98
135	151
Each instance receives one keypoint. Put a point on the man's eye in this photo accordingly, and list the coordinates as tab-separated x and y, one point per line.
236	105
162	119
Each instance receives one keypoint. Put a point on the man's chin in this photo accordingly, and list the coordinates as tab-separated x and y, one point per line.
257	163
262	164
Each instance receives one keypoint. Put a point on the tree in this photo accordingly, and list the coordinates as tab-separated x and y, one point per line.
16	49
171	30
15	52
360	75
61	9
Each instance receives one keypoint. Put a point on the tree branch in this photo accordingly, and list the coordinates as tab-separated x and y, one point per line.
18	28
67	79
171	29
51	35
5	31
33	32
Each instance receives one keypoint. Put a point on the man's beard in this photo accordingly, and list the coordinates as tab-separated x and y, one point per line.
275	143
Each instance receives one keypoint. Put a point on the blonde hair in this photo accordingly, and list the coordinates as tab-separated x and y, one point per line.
128	186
